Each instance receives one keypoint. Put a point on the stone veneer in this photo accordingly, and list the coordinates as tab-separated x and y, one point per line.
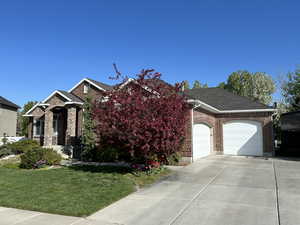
48	133
71	125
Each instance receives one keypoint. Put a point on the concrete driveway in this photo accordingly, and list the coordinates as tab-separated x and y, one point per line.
218	190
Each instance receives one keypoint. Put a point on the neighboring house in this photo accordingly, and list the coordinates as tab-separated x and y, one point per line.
220	122
290	131
8	117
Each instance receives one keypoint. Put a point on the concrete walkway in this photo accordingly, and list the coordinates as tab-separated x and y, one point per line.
212	191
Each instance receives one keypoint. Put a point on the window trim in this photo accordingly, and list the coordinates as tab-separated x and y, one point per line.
41	125
86	89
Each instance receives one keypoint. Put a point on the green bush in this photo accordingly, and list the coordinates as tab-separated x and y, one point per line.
51	157
107	154
174	159
110	154
39	157
4	140
22	146
4	151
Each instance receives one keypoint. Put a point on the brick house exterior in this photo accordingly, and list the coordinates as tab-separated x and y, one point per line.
58	119
216	121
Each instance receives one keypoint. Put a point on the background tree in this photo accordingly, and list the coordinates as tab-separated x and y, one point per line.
197	84
146	125
24	121
186	85
257	86
222	85
291	90
281	108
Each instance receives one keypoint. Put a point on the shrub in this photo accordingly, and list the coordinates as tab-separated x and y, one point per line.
22	146
174	159
106	154
4	140
39	157
145	123
4	151
51	157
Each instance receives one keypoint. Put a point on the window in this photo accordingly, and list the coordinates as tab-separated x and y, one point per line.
85	89
55	124
38	128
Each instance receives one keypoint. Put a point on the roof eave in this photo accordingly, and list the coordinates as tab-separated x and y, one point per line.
89	81
212	109
54	93
248	110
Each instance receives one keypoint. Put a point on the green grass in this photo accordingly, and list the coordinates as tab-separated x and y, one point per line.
74	191
11	162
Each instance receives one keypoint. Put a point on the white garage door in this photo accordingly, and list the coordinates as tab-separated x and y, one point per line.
201	141
243	138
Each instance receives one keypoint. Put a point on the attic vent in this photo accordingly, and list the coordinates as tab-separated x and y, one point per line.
85	89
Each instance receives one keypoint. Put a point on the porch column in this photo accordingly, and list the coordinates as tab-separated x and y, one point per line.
48	130
71	125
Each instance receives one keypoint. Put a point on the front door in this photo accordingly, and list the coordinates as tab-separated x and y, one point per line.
59	126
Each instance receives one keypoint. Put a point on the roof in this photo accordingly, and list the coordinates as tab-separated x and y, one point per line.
100	84
291	113
73	98
224	100
96	84
150	84
4	101
290	121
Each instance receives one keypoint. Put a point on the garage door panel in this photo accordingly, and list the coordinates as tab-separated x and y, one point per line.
201	140
242	138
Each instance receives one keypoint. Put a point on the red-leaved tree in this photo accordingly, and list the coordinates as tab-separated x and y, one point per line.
143	117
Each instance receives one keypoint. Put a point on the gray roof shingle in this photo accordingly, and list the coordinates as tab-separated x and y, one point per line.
4	101
74	98
224	100
102	85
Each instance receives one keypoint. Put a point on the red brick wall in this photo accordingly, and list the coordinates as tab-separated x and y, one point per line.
187	145
93	92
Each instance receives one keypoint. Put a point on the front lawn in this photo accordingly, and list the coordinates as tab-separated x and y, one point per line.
74	191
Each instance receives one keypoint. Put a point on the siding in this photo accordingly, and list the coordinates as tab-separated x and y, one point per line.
8	121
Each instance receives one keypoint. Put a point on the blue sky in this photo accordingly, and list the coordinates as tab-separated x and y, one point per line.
49	45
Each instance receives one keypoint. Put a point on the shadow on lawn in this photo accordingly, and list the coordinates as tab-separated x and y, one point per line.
101	169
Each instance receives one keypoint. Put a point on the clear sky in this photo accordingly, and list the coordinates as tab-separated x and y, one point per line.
49	45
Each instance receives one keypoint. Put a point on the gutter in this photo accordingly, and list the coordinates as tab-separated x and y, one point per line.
215	110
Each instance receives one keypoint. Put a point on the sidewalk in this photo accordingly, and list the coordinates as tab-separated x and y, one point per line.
10	216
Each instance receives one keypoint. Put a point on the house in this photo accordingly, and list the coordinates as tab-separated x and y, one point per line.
224	123
220	122
290	133
8	117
